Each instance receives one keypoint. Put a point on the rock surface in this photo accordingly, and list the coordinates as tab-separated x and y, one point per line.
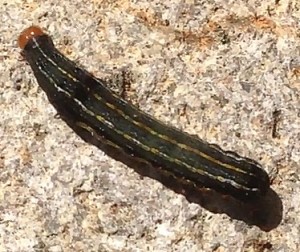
227	71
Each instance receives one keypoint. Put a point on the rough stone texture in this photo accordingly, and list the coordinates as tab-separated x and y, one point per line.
218	69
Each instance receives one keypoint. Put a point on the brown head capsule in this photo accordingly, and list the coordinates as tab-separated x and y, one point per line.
28	34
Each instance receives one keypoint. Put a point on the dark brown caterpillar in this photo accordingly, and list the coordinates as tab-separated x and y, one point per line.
104	119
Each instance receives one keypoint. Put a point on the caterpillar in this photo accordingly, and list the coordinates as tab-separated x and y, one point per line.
103	118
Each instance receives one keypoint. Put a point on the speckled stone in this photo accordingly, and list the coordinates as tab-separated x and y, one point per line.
216	69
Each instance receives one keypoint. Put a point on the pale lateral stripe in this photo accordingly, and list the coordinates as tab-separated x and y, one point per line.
145	147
